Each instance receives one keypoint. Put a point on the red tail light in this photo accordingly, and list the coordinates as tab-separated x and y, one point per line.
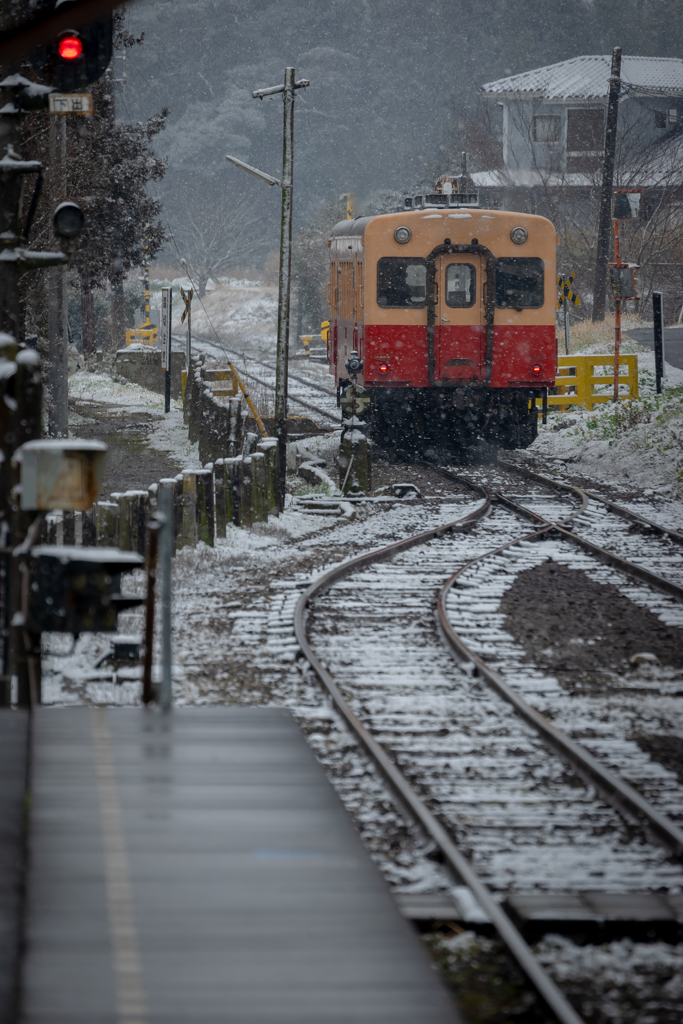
384	368
70	47
537	368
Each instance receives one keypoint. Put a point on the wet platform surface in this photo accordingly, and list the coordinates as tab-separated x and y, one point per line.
13	744
198	866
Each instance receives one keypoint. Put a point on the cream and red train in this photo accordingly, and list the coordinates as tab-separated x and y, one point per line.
452	311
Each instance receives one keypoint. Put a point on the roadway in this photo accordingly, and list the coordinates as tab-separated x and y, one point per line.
673	342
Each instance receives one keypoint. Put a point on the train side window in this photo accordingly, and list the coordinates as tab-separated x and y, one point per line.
401	281
519	282
460	285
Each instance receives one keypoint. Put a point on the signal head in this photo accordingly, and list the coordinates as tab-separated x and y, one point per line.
68	220
70	46
74	59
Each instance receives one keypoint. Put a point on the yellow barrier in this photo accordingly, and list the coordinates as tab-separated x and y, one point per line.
306	339
141	336
577	380
221	382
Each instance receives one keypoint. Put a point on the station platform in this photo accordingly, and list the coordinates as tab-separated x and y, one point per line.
13	749
197	866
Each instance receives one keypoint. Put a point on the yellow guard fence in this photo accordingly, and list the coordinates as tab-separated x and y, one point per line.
579	376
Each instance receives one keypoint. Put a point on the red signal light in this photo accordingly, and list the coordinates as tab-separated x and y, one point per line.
70	47
536	369
384	368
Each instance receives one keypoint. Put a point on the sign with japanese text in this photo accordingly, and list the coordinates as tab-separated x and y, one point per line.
71	103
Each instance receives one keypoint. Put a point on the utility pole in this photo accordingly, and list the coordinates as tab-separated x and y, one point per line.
284	289
284	284
602	250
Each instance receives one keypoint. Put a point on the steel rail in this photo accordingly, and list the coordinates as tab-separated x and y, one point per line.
602	554
404	791
612	787
290	397
450	475
618	510
268	366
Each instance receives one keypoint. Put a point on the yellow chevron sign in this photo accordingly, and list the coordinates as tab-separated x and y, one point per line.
564	285
187	299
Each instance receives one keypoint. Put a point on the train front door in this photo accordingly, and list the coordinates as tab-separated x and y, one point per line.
460	328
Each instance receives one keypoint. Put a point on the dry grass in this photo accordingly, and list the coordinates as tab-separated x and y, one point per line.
585	336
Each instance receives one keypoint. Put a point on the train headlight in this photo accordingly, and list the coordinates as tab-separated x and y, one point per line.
384	368
537	368
403	235
519	235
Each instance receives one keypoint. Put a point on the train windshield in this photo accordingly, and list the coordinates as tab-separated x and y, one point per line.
401	281
460	284
519	283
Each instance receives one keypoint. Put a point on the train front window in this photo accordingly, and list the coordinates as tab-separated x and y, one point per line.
519	282
401	281
460	285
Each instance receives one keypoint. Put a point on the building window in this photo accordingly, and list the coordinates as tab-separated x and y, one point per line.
547	128
663	118
585	131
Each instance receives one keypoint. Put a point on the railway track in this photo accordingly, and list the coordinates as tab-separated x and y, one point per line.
302	391
486	785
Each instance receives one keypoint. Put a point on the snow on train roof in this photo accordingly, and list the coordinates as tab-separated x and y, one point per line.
588	78
350	227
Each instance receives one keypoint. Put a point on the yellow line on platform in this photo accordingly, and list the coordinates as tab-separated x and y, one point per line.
130	994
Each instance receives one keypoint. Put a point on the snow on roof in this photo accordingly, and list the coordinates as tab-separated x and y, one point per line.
588	78
663	169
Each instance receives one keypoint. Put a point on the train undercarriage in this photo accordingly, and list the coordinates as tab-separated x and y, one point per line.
411	422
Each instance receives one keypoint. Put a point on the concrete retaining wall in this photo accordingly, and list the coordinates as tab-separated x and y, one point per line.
141	364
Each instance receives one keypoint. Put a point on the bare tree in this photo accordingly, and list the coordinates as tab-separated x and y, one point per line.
570	198
213	241
474	133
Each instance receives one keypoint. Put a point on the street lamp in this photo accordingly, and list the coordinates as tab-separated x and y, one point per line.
284	285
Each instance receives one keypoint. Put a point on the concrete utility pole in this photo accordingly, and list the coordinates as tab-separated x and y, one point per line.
284	284
605	216
284	290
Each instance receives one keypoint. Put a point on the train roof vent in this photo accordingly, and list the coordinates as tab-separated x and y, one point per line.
440	201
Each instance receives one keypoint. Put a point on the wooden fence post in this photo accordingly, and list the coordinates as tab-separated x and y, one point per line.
107	524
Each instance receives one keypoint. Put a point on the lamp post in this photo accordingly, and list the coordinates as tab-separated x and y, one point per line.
284	284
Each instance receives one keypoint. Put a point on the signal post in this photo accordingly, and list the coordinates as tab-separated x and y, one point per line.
67	60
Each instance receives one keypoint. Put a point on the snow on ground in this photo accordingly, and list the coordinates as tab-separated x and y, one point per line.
121	397
239	312
100	388
636	446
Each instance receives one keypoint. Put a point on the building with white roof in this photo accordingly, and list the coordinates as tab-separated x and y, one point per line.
552	122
